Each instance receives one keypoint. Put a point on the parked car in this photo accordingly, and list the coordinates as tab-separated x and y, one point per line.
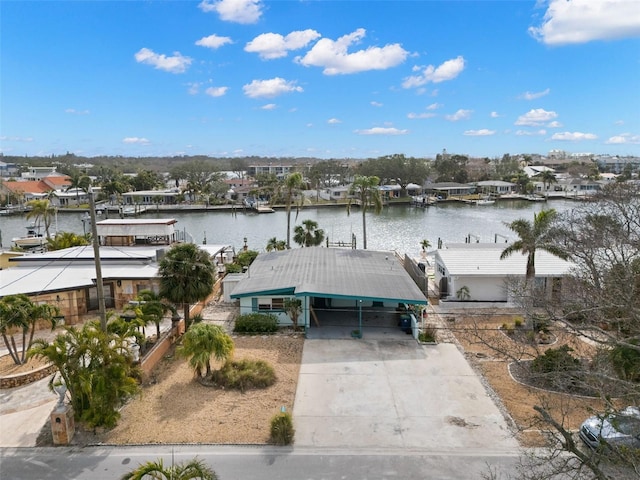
613	429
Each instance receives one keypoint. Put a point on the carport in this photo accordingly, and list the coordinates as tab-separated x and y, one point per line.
349	290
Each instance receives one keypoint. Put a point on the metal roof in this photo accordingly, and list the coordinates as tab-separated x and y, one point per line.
52	278
483	259
330	273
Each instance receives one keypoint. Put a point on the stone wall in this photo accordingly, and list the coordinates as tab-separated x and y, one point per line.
20	379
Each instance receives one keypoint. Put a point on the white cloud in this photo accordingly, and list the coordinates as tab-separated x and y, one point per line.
237	11
581	21
619	122
414	116
434	106
216	91
73	111
269	106
554	124
531	133
624	138
494	115
483	132
334	57
535	117
175	64
270	88
5	138
334	121
274	45
446	71
194	88
376	104
381	131
534	95
136	141
459	115
213	41
573	136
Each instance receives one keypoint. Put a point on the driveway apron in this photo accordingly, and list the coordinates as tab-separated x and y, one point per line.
394	394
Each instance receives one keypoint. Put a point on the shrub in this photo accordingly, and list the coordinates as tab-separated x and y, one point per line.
428	334
626	361
196	318
245	374
256	323
517	322
556	360
282	430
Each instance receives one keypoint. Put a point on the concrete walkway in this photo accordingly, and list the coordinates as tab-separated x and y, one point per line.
394	394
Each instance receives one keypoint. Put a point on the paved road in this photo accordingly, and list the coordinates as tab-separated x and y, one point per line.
250	463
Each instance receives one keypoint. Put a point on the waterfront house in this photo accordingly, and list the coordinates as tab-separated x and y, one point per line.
329	282
130	253
495	187
448	190
473	272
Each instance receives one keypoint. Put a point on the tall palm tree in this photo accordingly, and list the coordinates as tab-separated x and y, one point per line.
365	191
201	342
547	177
41	210
290	187
275	244
425	244
539	235
308	235
79	181
187	275
193	470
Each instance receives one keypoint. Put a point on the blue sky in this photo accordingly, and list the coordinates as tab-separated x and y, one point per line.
328	79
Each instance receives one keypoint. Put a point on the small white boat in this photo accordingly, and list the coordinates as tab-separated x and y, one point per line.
485	201
32	239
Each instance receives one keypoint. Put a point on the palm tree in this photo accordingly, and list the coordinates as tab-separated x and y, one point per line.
18	312
41	210
365	191
152	309
201	342
96	368
309	235
65	240
537	236
547	177
275	244
193	470
187	275
425	244
79	181
291	186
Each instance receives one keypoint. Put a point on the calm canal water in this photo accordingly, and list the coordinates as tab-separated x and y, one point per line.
396	228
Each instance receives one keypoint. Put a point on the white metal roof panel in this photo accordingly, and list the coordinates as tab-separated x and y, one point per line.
478	259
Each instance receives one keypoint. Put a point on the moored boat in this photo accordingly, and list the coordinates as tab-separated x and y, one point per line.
32	239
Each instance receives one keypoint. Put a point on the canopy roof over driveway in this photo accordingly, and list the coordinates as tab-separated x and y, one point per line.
330	273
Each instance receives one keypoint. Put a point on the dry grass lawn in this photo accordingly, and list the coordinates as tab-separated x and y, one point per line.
175	408
482	342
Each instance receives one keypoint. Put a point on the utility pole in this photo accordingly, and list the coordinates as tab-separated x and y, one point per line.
96	257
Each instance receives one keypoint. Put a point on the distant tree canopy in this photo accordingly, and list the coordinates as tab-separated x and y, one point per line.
451	168
396	169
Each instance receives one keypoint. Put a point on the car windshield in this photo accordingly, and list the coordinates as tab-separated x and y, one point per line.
626	424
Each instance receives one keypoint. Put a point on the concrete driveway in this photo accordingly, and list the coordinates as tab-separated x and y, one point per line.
394	394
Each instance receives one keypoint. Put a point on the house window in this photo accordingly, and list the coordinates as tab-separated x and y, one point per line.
271	304
277	304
